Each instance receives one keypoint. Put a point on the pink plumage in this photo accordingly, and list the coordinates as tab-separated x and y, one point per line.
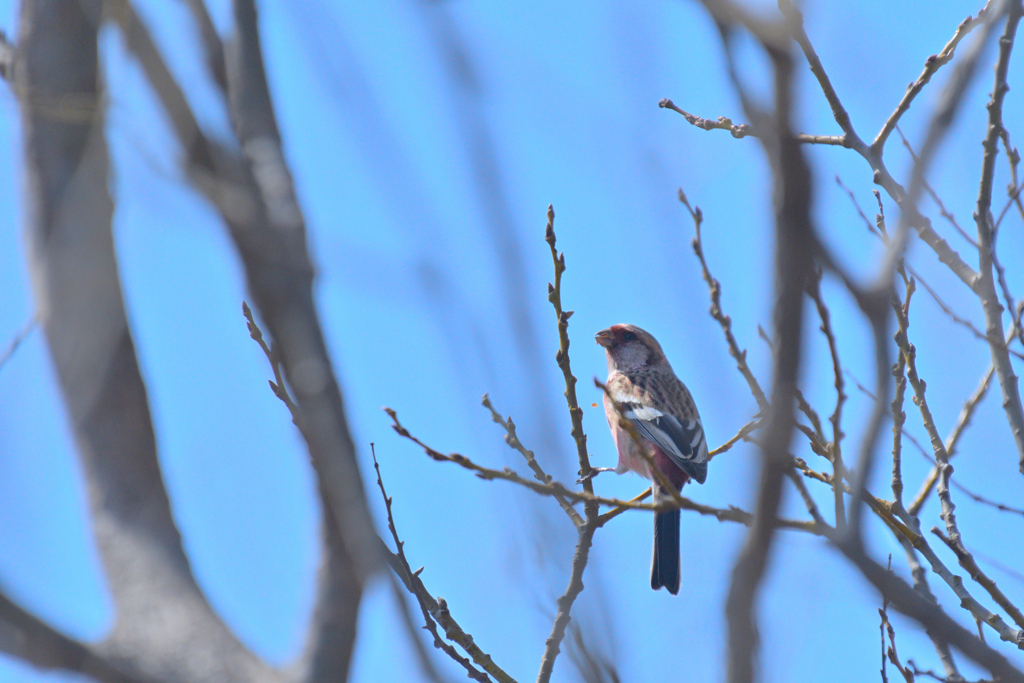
662	412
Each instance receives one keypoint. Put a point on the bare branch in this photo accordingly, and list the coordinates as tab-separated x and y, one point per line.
945	213
967	561
941	626
32	640
794	251
562	356
742	130
431	607
835	447
931	65
163	622
538	472
985	287
731	514
899	418
15	342
716	309
874	156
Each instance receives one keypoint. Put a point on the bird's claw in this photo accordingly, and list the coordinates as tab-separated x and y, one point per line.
594	471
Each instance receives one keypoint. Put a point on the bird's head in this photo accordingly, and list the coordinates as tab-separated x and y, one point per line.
630	348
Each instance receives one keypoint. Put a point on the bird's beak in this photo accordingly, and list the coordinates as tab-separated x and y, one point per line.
604	338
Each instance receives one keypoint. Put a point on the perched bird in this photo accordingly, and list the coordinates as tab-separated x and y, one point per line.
665	418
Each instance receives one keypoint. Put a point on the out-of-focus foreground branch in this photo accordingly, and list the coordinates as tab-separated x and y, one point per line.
164	627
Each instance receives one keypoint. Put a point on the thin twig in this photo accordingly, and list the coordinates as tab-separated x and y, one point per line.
873	155
919	576
931	65
742	130
887	629
741	435
872	228
589	526
716	309
985	287
948	215
538	472
16	341
809	503
730	514
277	384
432	609
657	474
835	447
562	356
967	561
952	314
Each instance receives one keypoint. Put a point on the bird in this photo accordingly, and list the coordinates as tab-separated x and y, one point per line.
664	417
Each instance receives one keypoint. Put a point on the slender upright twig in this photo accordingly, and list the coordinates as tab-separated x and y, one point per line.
984	287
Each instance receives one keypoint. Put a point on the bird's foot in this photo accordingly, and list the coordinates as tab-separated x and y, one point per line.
594	471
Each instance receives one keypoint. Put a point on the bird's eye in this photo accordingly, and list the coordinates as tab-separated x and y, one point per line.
629	337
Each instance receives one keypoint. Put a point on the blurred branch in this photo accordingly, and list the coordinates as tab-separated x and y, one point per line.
468	98
32	640
253	192
940	626
213	47
7	57
15	342
795	246
163	622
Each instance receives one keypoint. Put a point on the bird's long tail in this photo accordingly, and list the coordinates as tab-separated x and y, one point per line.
665	565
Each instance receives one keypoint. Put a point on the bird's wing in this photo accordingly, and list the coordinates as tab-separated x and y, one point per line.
682	441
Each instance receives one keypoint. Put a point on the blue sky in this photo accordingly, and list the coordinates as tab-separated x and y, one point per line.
413	287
